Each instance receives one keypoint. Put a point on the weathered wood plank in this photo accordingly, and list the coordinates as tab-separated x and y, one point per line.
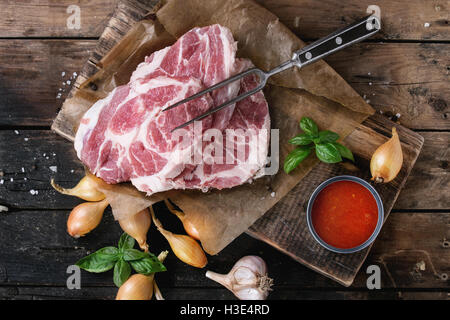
427	187
36	251
26	161
305	17
36	76
109	293
39	18
400	19
409	79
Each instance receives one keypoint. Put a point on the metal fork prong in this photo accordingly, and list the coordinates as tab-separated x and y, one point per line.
214	87
223	105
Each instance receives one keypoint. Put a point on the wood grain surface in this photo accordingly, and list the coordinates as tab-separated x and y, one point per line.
310	20
34	33
416	87
284	227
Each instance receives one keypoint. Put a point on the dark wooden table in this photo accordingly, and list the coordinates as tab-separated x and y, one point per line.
403	72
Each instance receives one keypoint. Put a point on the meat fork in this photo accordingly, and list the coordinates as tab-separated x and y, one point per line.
338	40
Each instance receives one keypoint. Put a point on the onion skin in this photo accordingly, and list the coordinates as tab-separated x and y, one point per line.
137	287
86	189
137	227
188	225
387	160
186	249
85	217
190	229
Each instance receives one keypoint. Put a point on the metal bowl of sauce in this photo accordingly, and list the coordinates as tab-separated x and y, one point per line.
345	214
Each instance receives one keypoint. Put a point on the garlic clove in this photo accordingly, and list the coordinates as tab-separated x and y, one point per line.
251	294
85	217
245	275
86	189
137	227
137	287
387	160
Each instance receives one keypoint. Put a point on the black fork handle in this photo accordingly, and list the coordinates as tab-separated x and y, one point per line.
338	40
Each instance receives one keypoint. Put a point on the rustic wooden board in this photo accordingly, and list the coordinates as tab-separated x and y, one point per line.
284	227
307	18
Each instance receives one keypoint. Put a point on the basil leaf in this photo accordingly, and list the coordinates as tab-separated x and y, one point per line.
122	271
133	254
99	261
309	126
327	136
327	152
147	265
294	158
126	241
302	139
344	151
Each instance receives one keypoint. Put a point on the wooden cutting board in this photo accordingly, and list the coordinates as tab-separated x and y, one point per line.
284	226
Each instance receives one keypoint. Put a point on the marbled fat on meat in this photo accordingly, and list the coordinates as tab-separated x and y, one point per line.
127	137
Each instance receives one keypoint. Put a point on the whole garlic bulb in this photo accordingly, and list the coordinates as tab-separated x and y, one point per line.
248	279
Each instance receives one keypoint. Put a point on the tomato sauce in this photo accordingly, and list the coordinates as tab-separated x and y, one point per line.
344	214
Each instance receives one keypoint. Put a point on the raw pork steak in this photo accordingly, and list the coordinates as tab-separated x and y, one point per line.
127	137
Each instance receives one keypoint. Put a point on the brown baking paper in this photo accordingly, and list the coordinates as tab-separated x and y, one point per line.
316	91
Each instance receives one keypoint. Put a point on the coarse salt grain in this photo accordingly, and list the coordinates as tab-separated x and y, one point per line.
63	74
272	194
16	132
26	139
426	24
23	169
2	181
53	168
72	171
12	179
33	192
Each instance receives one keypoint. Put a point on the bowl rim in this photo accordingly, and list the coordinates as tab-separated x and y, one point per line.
374	193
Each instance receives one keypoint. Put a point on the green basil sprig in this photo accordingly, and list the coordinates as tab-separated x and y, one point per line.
122	259
327	149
